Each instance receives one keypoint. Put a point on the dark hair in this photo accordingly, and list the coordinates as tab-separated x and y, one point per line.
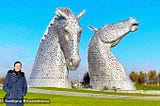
17	62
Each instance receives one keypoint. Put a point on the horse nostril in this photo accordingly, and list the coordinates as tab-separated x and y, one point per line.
74	62
71	62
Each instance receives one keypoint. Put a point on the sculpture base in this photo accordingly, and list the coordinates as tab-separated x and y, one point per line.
48	83
119	85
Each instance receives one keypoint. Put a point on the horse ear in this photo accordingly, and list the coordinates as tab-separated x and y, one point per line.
81	14
61	13
92	28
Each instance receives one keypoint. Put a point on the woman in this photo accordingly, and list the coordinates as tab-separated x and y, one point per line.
15	86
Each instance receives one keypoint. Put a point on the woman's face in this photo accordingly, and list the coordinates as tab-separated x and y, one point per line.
17	67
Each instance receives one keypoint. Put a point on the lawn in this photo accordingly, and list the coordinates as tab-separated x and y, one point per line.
147	87
84	101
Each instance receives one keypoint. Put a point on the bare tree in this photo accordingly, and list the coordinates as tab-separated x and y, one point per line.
152	77
134	77
142	78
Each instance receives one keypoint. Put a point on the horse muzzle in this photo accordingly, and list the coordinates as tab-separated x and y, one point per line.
73	63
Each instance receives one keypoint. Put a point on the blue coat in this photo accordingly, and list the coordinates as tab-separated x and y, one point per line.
15	86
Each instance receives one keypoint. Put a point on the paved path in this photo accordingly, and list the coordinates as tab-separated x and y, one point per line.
91	95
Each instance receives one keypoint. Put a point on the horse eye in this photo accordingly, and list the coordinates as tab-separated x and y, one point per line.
66	32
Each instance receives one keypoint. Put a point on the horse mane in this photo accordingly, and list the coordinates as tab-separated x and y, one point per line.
46	31
67	11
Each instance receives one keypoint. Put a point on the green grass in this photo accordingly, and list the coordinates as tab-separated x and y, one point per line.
84	101
147	87
94	91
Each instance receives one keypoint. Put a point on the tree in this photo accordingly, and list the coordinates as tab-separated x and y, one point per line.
86	80
158	78
152	77
134	77
142	78
2	80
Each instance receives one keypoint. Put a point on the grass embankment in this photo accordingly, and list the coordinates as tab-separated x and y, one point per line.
147	87
84	101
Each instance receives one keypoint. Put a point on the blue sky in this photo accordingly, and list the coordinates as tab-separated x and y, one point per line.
23	22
